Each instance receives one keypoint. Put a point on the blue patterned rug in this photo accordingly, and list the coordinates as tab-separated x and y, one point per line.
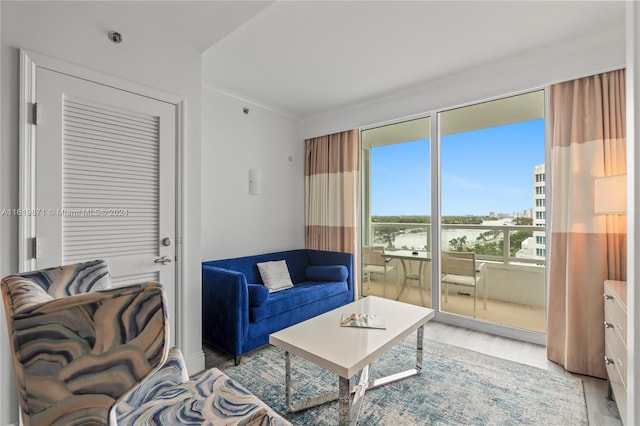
456	387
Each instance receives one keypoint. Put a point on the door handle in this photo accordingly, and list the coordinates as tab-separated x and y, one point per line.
164	260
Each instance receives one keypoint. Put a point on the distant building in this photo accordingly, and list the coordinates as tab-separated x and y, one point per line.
527	249
539	211
535	247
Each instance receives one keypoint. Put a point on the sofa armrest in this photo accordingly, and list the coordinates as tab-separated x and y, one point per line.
225	307
322	257
258	294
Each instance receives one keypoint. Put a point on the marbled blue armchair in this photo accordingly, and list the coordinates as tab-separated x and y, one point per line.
85	353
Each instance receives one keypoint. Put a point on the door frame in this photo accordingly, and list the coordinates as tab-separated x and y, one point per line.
29	61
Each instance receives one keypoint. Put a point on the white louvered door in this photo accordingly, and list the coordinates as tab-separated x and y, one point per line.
105	180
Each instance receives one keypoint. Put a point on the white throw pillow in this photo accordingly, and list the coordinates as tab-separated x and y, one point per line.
275	275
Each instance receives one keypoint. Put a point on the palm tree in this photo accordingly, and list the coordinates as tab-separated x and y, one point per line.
458	244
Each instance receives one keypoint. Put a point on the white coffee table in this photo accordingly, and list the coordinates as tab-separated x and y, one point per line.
348	350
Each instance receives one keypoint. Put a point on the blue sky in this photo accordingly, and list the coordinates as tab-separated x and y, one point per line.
487	170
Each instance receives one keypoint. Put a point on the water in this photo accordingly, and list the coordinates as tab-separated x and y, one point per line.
418	240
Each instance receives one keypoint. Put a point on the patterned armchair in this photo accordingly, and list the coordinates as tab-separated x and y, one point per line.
85	353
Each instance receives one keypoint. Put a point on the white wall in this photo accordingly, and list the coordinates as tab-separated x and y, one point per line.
61	31
234	222
598	53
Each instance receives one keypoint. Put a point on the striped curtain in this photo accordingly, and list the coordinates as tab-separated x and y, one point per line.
332	191
587	124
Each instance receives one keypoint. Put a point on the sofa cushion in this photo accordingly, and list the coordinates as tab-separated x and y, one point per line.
275	275
293	298
327	273
258	294
297	261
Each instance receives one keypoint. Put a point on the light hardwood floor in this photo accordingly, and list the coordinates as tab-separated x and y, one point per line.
600	411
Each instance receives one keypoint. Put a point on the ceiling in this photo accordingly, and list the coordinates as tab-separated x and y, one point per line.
307	58
310	57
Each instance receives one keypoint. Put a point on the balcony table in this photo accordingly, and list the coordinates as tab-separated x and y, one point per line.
404	255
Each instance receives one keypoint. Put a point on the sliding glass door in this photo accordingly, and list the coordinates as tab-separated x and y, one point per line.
490	208
493	211
396	211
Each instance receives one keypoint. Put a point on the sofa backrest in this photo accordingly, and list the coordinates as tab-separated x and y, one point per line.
297	262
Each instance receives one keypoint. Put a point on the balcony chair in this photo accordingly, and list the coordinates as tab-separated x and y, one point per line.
461	268
417	277
375	262
86	353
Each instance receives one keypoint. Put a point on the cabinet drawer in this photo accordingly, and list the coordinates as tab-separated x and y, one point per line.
616	350
615	340
617	385
615	313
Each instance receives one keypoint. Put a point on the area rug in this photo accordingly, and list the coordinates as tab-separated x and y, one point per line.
456	387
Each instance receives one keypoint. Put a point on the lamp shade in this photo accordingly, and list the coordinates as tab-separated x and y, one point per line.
610	194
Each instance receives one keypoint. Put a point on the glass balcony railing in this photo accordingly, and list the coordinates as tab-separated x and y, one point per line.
514	270
490	242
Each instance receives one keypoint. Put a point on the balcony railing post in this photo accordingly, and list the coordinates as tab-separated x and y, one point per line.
506	245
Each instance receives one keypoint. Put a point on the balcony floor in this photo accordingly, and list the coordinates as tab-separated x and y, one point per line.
498	311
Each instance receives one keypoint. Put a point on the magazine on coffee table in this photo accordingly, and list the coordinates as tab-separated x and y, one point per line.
363	321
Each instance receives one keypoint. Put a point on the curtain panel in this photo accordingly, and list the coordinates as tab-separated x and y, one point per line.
587	129
332	173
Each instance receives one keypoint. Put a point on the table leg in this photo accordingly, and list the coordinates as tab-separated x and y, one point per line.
344	402
420	279
407	373
421	282
485	284
348	409
287	377
419	349
404	283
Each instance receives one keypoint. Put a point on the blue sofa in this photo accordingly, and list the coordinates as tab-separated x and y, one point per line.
239	313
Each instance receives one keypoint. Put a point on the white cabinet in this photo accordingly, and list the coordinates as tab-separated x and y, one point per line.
615	339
